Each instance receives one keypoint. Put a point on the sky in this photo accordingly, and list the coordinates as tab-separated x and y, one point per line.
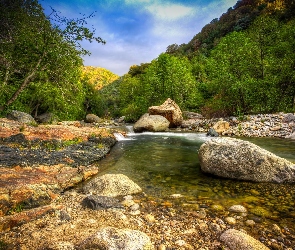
138	31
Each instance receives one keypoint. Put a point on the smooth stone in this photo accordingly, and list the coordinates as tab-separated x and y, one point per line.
237	209
237	240
230	220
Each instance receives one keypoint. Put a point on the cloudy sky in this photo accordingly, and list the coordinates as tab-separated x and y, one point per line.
137	31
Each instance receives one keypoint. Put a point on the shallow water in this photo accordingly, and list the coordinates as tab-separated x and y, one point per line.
167	163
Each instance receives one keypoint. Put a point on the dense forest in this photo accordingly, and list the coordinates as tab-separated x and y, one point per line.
242	62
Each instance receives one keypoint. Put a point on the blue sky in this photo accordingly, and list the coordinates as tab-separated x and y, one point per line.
138	31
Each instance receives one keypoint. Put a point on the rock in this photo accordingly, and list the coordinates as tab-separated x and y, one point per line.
96	202
242	160
91	118
288	118
21	117
121	119
47	118
237	209
17	219
113	238
170	110
111	185
291	136
24	188
153	123
212	133
149	218
237	240
192	115
64	216
221	126
250	223
230	220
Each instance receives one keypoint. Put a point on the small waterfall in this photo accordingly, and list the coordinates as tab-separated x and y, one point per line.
130	129
119	137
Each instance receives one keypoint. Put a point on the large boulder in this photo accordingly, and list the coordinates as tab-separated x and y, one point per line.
21	117
111	185
113	238
238	159
92	118
237	240
153	123
170	110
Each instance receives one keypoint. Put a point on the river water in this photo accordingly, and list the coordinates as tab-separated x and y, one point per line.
167	163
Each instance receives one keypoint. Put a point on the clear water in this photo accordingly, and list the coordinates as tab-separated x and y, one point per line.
167	163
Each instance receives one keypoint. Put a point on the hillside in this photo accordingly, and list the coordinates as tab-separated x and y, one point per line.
237	18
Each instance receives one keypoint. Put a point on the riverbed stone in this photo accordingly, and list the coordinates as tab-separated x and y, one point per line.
97	202
113	238
170	110
111	185
237	209
242	160
237	240
21	117
153	123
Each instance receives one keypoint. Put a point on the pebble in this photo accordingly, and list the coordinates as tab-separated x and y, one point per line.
162	247
134	207
176	196
180	243
150	218
276	229
237	209
230	220
136	212
128	203
250	223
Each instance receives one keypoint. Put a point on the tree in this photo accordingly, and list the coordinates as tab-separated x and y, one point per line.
34	50
171	77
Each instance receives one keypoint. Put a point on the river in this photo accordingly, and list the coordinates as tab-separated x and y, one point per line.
167	163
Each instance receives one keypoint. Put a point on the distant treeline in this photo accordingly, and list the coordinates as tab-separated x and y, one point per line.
243	62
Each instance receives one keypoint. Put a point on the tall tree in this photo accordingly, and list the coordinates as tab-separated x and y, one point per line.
32	49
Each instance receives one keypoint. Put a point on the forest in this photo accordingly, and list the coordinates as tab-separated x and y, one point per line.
240	63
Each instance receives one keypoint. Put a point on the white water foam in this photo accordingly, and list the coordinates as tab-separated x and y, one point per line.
121	137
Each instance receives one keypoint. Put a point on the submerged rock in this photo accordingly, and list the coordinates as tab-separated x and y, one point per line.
113	238
242	160
111	185
170	110
153	123
237	240
96	202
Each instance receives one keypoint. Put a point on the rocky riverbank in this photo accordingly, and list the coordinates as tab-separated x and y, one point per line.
40	209
279	125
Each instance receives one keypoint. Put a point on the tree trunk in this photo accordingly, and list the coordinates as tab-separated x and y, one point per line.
25	83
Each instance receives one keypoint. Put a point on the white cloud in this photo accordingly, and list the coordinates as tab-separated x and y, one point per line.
169	12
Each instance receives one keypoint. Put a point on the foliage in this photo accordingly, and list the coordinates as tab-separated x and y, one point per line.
93	80
40	62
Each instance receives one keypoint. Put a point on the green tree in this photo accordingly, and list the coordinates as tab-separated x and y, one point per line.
169	76
32	50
